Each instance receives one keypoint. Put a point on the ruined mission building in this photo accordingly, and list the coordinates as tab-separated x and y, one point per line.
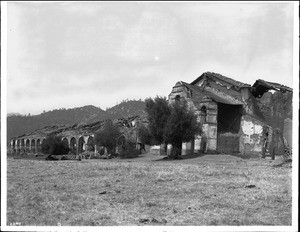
235	117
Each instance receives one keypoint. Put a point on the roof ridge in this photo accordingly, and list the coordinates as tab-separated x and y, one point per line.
223	78
220	76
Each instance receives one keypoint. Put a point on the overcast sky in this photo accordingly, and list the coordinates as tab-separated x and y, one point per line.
71	54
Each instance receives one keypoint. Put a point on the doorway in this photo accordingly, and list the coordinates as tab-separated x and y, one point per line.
229	121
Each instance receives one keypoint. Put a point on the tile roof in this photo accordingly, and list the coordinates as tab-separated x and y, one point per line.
222	78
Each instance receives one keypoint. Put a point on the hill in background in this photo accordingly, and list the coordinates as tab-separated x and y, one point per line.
19	124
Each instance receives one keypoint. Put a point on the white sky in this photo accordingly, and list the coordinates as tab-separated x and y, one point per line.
71	54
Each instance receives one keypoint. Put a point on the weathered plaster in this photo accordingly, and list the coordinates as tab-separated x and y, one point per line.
251	135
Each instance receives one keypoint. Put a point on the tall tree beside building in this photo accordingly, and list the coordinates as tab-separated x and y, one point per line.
182	126
158	112
171	123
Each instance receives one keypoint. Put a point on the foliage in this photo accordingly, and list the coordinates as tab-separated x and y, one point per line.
158	112
53	145
107	137
170	123
145	135
182	126
129	150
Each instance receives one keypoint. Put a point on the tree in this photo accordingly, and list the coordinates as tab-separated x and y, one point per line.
158	112
169	124
107	137
53	145
144	135
182	126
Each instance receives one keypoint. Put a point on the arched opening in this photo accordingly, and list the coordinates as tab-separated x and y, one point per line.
33	145
65	142
38	145
90	144
22	144
81	145
73	145
27	145
13	146
203	114
18	145
177	98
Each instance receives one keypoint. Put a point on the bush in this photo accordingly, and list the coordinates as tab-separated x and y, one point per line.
53	145
107	137
129	150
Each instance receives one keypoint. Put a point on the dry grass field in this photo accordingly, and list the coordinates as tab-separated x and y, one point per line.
207	190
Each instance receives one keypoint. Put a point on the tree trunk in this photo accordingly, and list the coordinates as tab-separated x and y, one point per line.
163	149
176	150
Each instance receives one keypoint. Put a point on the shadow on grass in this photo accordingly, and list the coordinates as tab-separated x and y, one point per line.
244	156
197	155
40	157
28	157
182	157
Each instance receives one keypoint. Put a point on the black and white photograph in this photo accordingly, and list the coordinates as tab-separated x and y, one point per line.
159	115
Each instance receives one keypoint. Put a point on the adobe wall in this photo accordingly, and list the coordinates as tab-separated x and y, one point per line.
251	136
288	131
276	108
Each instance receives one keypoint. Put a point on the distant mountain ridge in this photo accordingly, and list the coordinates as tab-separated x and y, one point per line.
18	124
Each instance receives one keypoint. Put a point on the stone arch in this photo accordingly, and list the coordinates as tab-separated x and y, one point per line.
65	142
13	145
90	145
27	145
203	113
33	148
38	145
81	145
43	141
22	144
73	145
18	145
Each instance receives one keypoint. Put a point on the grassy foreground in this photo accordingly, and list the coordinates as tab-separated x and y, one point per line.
208	190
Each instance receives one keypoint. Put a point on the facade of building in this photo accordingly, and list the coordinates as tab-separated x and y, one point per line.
232	116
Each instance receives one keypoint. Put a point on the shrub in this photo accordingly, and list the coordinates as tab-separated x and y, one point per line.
53	145
107	137
129	150
87	154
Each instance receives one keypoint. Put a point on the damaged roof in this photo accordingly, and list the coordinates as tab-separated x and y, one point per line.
222	95
80	128
262	86
222	78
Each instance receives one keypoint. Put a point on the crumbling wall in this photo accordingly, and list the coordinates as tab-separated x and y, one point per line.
276	147
276	107
251	136
288	131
